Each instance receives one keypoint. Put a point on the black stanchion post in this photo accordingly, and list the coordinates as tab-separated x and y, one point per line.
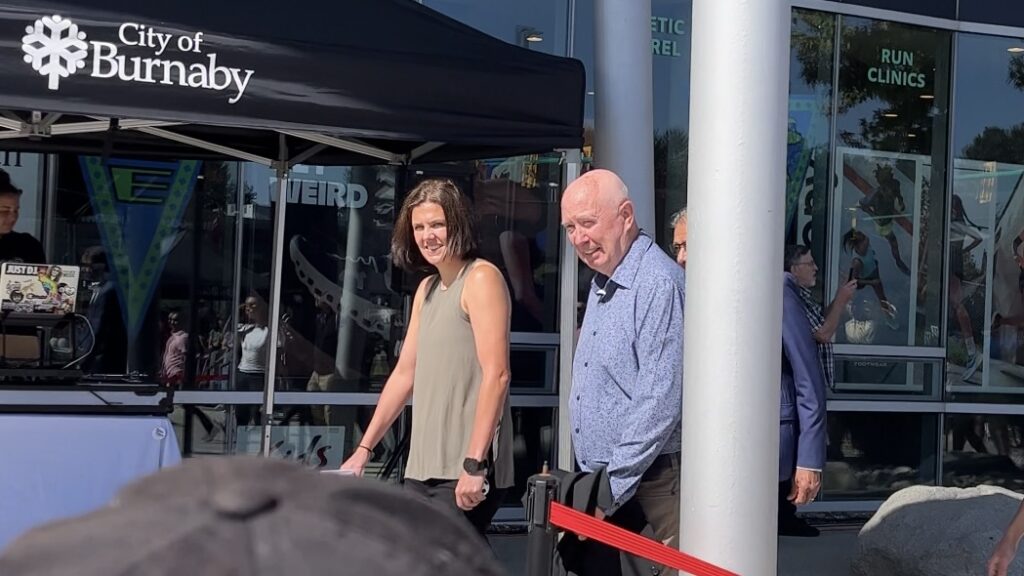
540	544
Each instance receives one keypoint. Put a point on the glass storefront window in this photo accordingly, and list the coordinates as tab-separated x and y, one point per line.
808	134
156	244
534	368
540	25
208	429
670	53
872	455
516	202
322	436
985	331
889	180
670	60
869	378
983	449
340	315
534	443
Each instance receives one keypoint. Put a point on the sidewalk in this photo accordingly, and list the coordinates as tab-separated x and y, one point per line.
827	555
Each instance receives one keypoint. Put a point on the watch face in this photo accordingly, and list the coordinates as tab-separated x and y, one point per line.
473	466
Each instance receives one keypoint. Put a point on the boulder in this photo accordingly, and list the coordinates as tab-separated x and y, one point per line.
929	531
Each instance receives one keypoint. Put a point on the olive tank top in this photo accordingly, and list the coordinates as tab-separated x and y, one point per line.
446	384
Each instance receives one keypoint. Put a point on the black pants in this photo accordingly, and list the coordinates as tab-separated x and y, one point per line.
653	512
444	491
246	413
787	510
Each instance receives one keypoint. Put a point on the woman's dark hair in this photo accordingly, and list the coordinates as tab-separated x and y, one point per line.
461	241
793	253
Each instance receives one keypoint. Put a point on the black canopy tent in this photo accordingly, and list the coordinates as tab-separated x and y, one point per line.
337	83
369	80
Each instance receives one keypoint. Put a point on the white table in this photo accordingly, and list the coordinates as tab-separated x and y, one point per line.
58	466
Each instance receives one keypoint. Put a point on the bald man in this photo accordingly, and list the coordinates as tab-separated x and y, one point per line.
627	373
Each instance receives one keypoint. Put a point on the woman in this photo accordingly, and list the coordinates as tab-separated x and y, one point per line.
960	229
886	205
455	358
864	269
253	364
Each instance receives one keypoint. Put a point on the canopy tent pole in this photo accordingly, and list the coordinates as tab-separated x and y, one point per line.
568	273
182	139
47	125
274	306
349	145
424	149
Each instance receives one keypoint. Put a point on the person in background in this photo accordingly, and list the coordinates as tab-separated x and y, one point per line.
172	367
1005	551
678	223
109	353
801	265
802	433
454	362
15	246
252	366
626	399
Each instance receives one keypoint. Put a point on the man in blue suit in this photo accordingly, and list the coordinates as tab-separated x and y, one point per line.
802	418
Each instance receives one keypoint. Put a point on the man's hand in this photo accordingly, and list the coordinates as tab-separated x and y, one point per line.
1002	556
806	484
845	292
469	492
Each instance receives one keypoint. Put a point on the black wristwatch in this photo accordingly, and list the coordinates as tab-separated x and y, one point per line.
474	466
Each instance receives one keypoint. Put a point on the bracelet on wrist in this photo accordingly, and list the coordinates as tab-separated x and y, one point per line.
367	448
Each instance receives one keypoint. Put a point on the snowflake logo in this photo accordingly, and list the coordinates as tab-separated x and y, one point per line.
55	48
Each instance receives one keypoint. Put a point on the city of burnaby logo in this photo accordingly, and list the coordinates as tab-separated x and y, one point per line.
138	53
55	48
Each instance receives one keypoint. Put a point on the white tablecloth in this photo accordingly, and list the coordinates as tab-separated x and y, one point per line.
57	466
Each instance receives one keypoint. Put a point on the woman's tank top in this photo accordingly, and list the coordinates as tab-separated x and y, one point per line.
446	385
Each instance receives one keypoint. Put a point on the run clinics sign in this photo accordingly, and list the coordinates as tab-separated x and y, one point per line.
896	67
57	48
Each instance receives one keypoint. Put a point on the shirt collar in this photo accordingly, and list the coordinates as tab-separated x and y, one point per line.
791	283
625	273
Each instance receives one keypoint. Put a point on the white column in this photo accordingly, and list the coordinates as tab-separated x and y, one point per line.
623	101
738	107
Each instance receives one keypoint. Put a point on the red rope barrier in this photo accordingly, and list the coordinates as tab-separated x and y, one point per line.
582	524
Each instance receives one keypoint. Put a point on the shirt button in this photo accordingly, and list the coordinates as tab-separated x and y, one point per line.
586	364
595	332
577	430
577	397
